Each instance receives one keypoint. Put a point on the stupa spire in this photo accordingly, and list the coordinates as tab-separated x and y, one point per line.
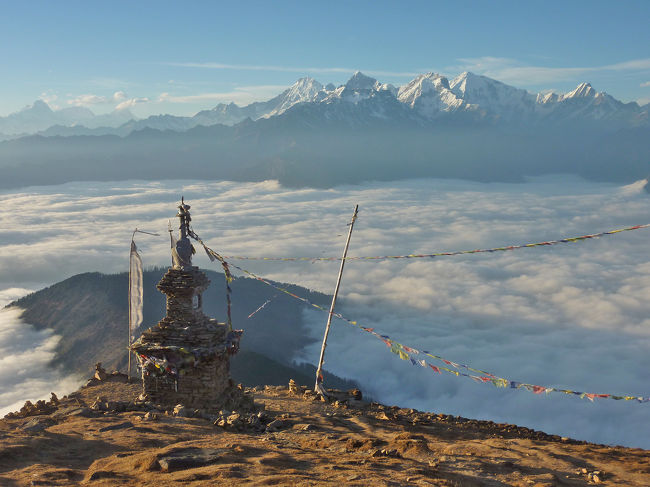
183	249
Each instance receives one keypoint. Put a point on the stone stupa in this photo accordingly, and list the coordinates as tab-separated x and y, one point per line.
185	358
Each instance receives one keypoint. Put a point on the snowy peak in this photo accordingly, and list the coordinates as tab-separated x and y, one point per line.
359	87
474	87
429	94
585	103
549	97
361	82
584	90
422	84
306	86
303	90
463	82
479	89
498	101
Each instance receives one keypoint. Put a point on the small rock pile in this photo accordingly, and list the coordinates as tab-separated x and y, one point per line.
386	452
595	476
104	405
101	376
41	407
337	398
256	421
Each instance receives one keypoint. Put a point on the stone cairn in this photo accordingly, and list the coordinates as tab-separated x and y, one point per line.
185	357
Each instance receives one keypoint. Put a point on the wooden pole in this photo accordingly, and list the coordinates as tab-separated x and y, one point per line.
319	371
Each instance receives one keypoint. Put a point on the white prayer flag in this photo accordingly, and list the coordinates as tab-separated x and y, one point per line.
135	289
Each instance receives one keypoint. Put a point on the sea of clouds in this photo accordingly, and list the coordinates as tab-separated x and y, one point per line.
25	356
573	316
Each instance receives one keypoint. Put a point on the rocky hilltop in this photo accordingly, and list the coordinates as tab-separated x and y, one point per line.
102	436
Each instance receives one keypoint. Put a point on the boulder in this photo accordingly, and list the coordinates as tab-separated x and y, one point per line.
38	424
275	425
191	457
100	373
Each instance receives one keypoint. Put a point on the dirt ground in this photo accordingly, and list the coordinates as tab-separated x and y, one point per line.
301	441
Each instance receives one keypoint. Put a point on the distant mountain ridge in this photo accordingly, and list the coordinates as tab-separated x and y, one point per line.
472	127
89	312
39	117
430	97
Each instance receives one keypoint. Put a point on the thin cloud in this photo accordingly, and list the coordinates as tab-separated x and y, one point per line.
131	103
240	95
202	97
119	97
291	69
87	100
512	70
504	69
645	84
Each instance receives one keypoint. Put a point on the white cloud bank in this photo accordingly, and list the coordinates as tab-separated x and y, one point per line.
572	316
25	373
130	103
242	95
120	98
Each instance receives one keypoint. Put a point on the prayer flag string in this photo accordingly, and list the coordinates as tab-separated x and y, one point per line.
440	254
212	255
406	353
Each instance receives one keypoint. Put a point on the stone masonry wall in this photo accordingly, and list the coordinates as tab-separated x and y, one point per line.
201	370
200	387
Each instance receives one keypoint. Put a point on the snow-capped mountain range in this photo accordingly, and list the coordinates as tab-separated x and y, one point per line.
428	99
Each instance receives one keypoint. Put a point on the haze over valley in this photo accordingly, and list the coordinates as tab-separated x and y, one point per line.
470	127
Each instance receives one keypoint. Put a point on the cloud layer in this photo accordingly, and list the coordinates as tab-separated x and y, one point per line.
25	373
572	316
120	99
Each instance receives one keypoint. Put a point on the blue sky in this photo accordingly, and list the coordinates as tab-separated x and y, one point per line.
173	57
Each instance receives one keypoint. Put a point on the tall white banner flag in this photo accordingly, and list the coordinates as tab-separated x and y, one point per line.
135	289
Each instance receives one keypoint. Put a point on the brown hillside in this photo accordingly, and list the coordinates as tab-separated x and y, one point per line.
296	440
